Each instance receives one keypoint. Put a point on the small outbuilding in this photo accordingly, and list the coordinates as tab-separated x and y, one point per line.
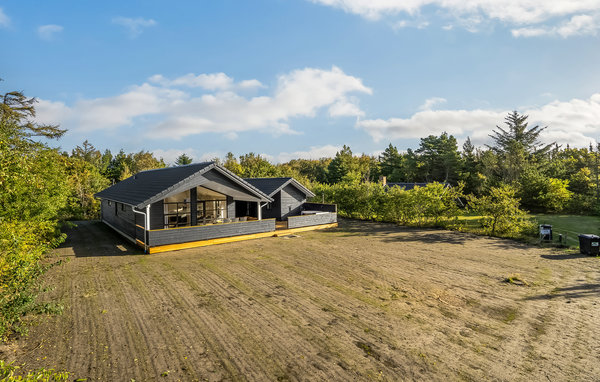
287	193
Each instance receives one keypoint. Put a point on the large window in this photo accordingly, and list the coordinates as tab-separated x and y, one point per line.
212	209
211	206
177	210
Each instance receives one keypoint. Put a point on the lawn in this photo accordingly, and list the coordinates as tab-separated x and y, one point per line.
365	301
570	225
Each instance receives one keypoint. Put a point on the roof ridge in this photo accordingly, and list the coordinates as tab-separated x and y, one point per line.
173	167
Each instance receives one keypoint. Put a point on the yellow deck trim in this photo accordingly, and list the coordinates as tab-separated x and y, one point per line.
232	239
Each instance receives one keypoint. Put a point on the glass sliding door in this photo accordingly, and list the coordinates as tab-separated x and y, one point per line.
177	210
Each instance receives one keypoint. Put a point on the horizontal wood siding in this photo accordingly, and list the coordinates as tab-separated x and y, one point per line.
291	201
157	214
274	208
120	217
230	207
211	231
308	220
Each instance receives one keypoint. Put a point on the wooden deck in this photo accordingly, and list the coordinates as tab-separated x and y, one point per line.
203	243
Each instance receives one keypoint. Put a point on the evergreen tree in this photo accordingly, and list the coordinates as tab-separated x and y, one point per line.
391	164
183	160
343	167
440	158
517	145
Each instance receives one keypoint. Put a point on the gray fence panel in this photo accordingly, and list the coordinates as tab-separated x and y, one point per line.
308	220
211	231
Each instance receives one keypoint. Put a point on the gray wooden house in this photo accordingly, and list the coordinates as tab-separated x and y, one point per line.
199	202
288	196
290	203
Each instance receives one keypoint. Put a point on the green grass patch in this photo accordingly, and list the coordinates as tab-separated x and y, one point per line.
570	225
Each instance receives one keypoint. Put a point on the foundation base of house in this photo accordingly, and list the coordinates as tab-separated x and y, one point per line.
223	240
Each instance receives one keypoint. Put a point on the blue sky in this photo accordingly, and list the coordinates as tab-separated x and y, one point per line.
301	78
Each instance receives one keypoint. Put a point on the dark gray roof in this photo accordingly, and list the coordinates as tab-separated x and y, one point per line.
149	186
271	186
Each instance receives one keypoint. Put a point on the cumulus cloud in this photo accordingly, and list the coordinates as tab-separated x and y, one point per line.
578	25
211	81
472	13
4	19
315	152
431	102
178	113
48	32
135	26
576	122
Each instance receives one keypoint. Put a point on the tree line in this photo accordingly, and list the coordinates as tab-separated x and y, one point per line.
42	186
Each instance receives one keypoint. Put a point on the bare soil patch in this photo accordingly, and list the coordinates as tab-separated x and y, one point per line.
365	301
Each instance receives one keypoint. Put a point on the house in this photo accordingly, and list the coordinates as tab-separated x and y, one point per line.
187	206
288	196
289	203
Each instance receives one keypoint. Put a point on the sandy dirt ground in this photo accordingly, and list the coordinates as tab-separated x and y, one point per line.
365	301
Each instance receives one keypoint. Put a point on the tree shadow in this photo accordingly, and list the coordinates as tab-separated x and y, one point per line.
565	256
92	238
390	232
573	292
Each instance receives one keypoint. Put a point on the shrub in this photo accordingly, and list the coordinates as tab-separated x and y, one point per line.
501	214
23	245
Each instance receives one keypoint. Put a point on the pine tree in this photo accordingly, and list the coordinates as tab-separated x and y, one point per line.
183	160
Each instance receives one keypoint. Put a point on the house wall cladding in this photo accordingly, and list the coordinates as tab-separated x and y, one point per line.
291	201
206	232
275	209
308	220
120	216
157	213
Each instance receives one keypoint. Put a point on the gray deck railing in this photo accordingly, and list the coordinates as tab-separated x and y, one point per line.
313	219
207	232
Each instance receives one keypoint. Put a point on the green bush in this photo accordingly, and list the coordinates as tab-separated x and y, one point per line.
23	246
500	212
433	205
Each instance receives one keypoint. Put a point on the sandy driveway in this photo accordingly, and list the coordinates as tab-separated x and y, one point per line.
365	301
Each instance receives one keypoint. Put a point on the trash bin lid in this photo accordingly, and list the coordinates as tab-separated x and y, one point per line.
589	236
545	226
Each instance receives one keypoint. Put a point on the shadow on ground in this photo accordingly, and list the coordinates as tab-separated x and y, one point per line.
565	256
94	238
573	292
394	233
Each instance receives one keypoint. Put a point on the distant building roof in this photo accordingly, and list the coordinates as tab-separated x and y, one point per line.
271	186
406	185
149	186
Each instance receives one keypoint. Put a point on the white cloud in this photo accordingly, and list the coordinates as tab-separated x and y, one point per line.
578	25
315	152
431	102
135	26
211	81
177	113
110	113
472	13
48	32
576	122
251	84
4	19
